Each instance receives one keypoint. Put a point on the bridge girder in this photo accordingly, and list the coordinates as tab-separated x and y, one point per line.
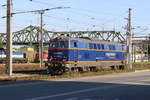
30	35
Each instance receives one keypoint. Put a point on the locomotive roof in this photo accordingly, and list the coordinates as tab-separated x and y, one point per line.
86	39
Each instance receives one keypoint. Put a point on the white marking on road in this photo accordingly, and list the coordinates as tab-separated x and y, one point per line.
76	92
72	99
145	80
136	83
116	99
86	99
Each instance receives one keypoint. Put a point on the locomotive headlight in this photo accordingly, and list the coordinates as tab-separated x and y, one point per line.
64	58
50	59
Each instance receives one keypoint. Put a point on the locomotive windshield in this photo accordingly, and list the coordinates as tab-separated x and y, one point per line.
58	44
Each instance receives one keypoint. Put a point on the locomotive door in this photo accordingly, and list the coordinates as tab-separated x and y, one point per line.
76	52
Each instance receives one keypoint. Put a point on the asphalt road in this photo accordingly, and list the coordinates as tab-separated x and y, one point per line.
126	86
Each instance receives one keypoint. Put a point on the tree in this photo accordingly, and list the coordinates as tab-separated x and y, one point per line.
1	43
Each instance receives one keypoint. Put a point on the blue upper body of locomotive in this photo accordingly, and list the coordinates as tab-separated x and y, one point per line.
79	49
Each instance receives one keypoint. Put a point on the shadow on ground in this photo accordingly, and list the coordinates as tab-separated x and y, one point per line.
42	72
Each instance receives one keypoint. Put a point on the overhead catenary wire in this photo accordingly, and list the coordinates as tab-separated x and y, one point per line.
42	2
98	25
72	22
86	13
70	19
83	12
114	19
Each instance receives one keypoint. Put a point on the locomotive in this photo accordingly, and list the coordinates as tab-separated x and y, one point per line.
17	56
84	54
45	56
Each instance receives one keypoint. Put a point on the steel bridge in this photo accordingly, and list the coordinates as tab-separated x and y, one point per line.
30	35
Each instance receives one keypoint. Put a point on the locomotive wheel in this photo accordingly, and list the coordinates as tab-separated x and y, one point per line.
66	69
50	71
53	71
59	72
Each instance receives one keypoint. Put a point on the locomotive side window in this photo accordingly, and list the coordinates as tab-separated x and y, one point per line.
99	46
75	44
111	47
119	47
114	47
91	45
124	47
102	45
95	47
106	46
86	45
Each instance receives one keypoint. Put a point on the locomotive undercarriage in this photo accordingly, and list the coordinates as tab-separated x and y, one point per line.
60	68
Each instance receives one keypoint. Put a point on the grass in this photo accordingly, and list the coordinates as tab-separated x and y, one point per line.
66	75
24	64
142	68
83	74
27	64
142	63
4	76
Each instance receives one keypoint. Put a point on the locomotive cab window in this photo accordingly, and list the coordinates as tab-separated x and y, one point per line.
58	44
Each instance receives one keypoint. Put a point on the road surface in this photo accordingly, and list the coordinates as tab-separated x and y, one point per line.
126	86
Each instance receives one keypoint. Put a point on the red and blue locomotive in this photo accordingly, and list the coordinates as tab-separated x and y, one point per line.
84	54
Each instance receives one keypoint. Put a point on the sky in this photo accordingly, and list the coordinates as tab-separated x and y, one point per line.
82	15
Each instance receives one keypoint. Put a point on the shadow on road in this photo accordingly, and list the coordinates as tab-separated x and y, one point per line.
72	90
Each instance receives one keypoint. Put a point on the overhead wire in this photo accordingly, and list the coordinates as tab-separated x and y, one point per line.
63	20
42	2
67	19
103	23
85	25
83	13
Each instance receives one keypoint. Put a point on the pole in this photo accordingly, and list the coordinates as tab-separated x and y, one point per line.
9	38
148	48
41	40
129	41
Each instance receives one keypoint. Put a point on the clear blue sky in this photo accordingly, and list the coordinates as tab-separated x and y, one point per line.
83	14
